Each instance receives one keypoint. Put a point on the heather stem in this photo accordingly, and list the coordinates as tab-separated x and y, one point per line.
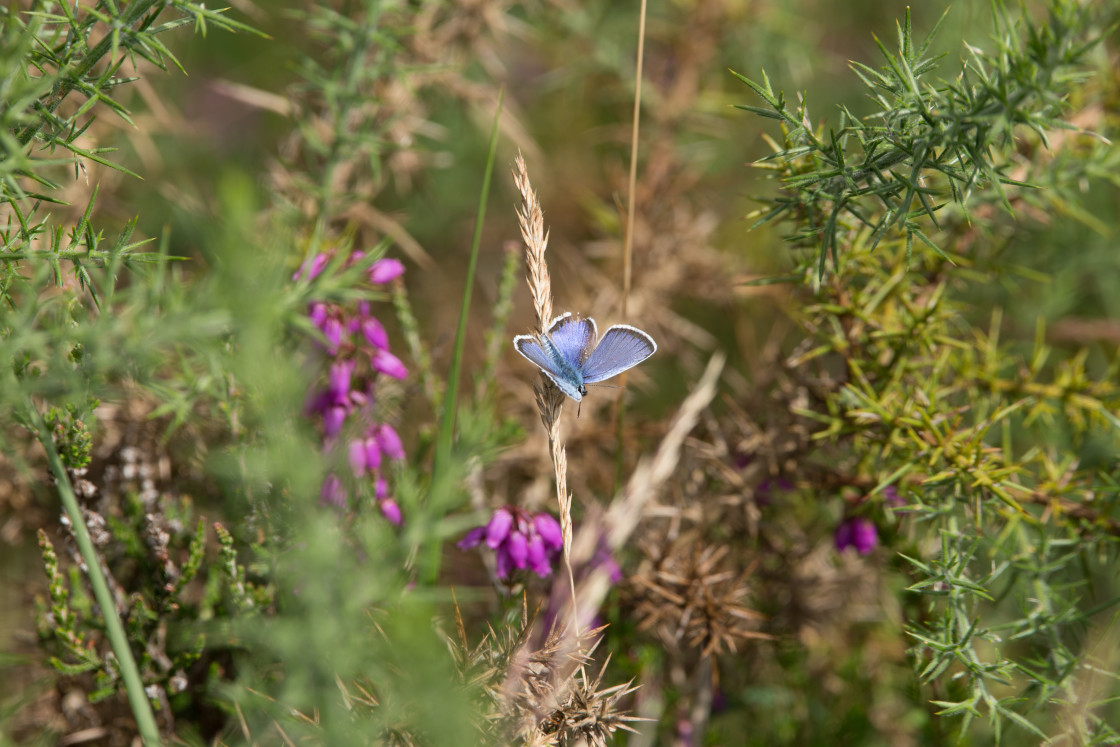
134	685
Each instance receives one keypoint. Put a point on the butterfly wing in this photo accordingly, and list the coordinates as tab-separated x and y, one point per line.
530	347
622	347
547	357
573	336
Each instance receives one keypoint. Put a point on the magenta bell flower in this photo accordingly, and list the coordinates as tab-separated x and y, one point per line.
384	270
335	402
356	355
388	364
333	494
520	540
856	532
312	267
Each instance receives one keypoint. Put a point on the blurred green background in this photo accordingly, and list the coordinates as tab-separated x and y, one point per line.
567	70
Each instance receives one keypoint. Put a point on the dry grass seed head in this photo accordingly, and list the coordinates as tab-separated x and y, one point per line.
531	218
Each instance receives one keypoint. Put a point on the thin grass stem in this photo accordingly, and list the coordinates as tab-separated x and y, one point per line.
451	397
445	436
628	239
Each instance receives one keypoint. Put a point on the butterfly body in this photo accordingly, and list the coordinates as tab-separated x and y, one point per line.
564	374
572	356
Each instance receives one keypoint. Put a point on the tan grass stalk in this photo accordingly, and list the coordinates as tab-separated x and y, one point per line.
628	240
627	509
550	400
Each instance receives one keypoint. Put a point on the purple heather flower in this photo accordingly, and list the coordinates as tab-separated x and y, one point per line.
520	540
603	558
317	313
388	364
365	456
549	530
856	532
384	270
391	511
892	497
350	333
473	538
332	330
373	455
538	556
333	418
332	493
518	549
312	267
371	328
334	403
497	530
764	491
339	382
503	566
388	441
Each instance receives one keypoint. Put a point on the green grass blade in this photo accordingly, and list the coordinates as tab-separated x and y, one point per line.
445	436
451	399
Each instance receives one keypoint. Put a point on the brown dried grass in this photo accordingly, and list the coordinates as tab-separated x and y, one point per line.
550	400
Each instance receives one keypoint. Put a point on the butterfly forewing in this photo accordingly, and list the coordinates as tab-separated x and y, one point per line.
573	337
622	347
544	353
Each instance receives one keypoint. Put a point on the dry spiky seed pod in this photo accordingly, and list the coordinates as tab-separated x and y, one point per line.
537	694
689	598
590	715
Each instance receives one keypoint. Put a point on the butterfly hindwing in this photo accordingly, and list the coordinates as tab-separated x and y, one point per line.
530	347
622	347
544	353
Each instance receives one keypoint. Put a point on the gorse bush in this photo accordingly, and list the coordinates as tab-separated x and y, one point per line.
930	418
930	140
888	514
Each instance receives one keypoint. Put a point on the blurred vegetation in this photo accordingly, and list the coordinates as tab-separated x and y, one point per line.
953	397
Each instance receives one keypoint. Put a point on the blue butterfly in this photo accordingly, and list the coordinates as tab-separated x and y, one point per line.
568	353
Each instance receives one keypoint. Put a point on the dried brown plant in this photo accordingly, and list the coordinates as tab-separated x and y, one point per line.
590	715
550	400
531	218
690	595
618	523
539	693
